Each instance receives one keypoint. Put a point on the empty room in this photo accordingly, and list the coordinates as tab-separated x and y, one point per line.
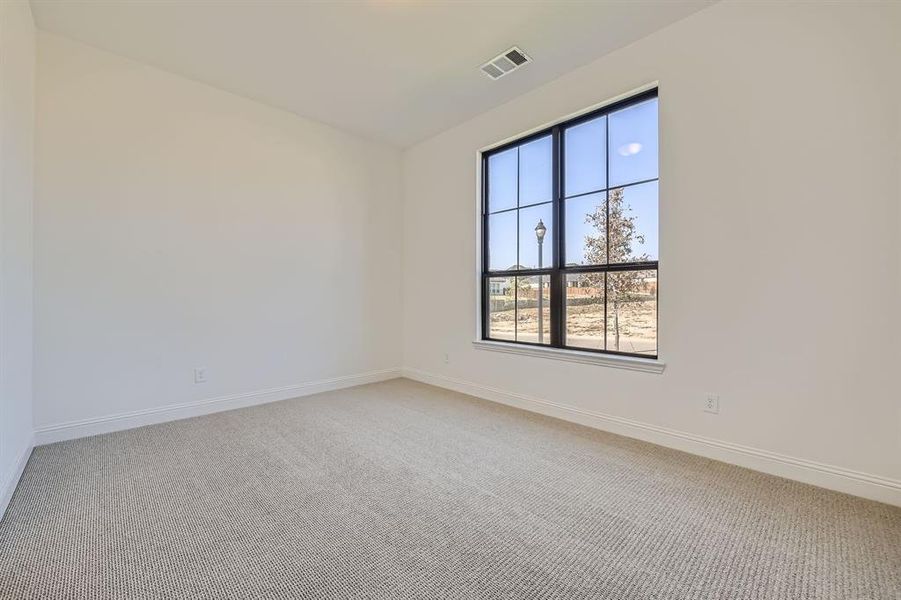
440	299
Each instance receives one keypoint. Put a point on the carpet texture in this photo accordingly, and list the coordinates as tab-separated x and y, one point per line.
402	490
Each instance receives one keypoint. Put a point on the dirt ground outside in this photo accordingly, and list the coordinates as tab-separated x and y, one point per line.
585	326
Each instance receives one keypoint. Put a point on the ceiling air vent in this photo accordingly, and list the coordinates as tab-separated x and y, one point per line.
506	62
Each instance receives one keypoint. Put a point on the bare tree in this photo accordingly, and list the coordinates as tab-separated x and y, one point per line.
622	286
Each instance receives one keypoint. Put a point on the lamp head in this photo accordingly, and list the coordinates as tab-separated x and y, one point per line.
540	230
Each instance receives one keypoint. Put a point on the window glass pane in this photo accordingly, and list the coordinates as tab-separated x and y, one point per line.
502	180
633	223
502	241
585	156
535	254
585	310
586	230
533	309
632	311
501	309
633	143
535	174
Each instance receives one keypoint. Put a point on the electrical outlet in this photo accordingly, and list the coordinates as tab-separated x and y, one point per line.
200	375
712	404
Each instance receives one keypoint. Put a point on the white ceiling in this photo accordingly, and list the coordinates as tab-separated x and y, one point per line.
391	70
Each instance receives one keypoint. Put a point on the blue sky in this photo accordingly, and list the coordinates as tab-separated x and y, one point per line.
632	157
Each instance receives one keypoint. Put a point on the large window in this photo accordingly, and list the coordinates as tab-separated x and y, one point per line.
569	226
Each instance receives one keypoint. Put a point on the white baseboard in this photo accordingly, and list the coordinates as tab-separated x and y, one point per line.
835	478
12	481
59	432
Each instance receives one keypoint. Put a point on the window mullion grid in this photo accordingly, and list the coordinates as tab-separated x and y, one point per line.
609	188
556	275
606	270
558	271
612	267
516	278
607	212
486	278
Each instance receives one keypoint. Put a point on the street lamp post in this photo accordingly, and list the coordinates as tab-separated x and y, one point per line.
540	230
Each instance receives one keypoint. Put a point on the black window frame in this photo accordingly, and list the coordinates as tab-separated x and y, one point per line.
557	272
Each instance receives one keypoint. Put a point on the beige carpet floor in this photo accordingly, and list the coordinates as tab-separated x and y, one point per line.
401	490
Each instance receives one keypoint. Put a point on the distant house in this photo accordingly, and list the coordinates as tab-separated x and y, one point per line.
498	287
502	287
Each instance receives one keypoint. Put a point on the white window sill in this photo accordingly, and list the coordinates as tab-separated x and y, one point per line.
632	363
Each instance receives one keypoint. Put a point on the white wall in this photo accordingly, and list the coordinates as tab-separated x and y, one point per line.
179	226
17	65
779	243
